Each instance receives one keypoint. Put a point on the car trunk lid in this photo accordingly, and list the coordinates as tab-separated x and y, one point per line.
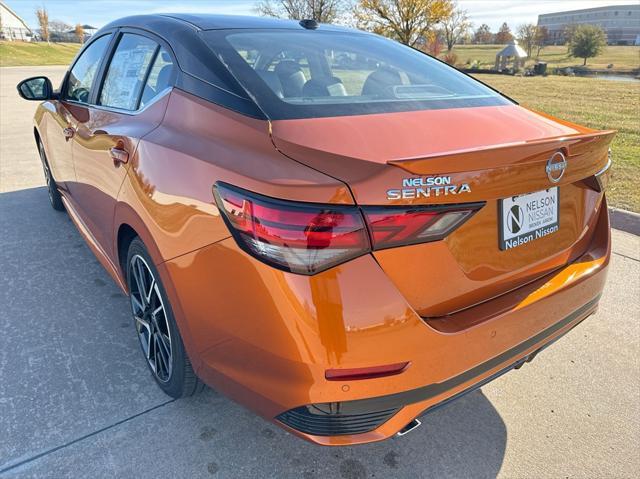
443	157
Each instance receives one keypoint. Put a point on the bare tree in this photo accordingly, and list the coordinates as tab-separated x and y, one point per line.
408	21
324	11
567	34
542	36
58	27
455	27
43	21
79	33
483	35
527	37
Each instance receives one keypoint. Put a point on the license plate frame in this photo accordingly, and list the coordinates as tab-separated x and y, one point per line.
528	217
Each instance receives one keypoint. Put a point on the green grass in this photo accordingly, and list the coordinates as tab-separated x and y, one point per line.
14	54
601	104
623	58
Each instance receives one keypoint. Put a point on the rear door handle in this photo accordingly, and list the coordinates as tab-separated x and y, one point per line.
68	133
119	156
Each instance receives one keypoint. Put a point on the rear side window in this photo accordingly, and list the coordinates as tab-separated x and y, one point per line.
84	71
159	77
127	72
305	74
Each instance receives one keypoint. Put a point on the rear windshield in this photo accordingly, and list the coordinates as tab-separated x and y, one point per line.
306	74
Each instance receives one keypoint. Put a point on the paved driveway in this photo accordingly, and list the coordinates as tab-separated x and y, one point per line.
76	399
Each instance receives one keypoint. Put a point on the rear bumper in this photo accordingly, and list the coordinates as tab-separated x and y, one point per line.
368	414
266	338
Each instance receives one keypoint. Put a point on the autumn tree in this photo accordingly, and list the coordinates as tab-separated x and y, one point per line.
588	41
79	33
324	11
455	27
483	35
431	44
43	20
504	34
408	21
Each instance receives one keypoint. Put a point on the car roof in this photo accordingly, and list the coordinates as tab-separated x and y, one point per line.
200	71
166	21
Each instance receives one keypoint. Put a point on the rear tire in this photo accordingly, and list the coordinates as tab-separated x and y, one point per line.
156	327
55	198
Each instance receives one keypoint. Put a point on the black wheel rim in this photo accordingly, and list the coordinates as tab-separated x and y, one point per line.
150	318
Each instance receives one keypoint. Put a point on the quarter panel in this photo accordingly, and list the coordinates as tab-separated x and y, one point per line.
171	177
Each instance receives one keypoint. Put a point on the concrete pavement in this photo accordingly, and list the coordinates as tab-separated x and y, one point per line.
76	399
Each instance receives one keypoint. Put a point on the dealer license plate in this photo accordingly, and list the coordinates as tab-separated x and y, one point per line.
526	218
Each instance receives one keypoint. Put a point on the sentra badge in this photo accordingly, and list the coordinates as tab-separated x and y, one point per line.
427	187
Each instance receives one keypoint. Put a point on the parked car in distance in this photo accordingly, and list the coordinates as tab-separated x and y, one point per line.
337	231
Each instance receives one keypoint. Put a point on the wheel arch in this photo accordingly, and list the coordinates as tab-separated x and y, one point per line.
127	226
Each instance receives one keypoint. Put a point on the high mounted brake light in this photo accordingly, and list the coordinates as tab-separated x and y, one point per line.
307	238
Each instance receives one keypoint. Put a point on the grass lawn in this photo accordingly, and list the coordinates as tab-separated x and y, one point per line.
14	54
624	58
601	104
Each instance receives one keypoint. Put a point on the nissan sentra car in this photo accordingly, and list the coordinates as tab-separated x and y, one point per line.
337	231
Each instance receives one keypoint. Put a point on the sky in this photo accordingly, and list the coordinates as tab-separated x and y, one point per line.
100	12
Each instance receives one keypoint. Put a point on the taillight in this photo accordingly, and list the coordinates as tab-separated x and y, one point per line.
600	181
299	237
399	226
307	238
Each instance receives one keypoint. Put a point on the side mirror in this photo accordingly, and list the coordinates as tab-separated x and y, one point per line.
36	89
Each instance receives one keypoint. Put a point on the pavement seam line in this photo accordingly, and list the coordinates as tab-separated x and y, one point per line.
628	257
82	438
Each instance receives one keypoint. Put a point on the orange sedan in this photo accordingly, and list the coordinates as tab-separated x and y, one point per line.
337	231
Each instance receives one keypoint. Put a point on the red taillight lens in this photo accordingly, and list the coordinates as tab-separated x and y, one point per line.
398	226
298	237
307	238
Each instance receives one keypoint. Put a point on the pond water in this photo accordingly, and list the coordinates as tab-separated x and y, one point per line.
605	76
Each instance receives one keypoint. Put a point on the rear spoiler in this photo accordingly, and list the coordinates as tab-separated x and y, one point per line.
510	154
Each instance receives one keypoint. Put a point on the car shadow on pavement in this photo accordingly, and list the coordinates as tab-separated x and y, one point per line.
77	399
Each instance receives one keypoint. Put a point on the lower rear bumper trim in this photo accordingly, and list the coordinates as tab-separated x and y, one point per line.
398	400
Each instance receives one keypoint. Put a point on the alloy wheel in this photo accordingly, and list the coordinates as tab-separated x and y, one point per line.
150	318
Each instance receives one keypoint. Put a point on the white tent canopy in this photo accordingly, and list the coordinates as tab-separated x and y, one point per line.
511	53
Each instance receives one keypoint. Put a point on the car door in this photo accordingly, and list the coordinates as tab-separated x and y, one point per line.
122	111
59	127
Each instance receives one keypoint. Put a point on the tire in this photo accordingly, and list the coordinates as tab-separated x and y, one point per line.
52	189
156	326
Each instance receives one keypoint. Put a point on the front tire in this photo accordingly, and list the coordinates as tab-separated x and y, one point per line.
52	189
156	327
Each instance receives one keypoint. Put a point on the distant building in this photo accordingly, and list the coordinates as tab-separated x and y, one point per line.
621	23
13	27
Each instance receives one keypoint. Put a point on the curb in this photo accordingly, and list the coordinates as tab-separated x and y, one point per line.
625	220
